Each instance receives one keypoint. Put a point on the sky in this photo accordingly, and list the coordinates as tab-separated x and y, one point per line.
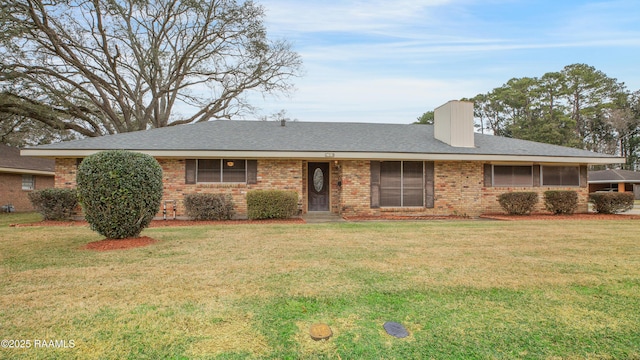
391	61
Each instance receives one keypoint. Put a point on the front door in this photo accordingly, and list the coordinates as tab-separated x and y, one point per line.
318	186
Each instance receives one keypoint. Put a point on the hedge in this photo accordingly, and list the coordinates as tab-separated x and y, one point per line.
561	201
54	204
518	203
209	206
271	204
611	202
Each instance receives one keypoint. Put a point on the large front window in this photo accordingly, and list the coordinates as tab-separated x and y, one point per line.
560	176
401	183
511	175
221	170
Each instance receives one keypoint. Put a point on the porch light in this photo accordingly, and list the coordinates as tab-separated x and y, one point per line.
230	163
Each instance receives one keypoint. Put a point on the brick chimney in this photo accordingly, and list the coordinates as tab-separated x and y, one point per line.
453	123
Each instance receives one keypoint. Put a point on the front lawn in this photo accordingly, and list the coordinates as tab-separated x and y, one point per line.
463	289
7	219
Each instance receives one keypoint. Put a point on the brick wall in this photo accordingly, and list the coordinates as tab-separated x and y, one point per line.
355	195
11	190
459	187
272	174
335	186
65	173
459	190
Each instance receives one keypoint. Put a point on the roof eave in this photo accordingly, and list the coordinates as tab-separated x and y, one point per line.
334	155
614	181
26	171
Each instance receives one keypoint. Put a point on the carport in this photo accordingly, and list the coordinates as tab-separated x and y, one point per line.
615	180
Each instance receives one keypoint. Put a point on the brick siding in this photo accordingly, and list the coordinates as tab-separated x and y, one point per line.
459	190
65	169
11	190
355	197
272	174
459	187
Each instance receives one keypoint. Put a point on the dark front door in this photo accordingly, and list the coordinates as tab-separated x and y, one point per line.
318	186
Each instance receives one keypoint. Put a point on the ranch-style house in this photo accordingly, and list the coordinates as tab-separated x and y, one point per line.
349	169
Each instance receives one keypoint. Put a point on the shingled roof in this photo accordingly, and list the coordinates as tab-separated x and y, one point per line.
316	139
614	176
11	161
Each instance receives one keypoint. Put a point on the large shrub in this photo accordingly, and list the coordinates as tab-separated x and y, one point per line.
561	201
518	203
54	204
209	206
611	202
120	192
272	204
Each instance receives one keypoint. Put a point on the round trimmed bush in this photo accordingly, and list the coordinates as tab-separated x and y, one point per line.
120	192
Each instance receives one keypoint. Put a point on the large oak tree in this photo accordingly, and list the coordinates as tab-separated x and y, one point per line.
99	67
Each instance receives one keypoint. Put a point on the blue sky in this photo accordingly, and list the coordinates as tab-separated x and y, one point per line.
389	62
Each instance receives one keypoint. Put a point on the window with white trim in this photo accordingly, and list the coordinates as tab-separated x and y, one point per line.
28	182
512	175
560	175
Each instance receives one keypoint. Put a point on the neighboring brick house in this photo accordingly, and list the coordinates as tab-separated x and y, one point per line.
352	169
20	175
615	180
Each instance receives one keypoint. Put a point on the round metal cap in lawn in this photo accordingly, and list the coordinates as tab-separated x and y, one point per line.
320	331
395	329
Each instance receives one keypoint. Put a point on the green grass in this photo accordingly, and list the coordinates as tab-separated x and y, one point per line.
463	289
7	219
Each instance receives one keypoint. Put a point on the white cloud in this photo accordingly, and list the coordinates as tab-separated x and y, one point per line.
346	16
386	61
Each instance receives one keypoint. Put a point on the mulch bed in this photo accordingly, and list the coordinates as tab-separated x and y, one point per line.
403	217
542	216
168	223
500	216
165	223
119	244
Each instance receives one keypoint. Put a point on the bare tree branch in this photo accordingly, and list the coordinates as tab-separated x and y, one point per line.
107	66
